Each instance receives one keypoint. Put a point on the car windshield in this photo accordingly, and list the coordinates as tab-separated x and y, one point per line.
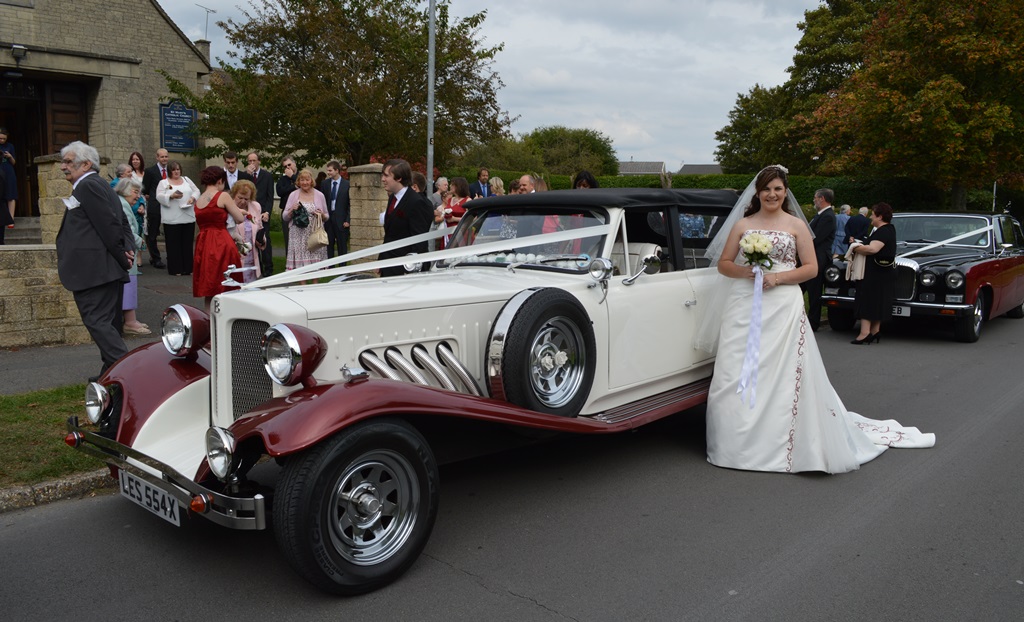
508	225
931	228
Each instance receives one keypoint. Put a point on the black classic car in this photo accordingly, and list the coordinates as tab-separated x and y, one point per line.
968	267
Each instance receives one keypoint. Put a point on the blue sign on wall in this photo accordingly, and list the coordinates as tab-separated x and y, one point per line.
175	120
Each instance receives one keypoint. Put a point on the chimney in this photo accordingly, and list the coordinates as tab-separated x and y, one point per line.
204	46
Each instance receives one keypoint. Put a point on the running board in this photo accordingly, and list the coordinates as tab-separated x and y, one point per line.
664	402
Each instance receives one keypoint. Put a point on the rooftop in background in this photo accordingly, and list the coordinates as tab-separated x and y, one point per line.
641	168
700	169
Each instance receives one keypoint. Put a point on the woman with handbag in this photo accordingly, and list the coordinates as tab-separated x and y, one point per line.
304	206
877	291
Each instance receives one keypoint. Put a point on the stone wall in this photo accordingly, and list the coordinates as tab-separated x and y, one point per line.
35	309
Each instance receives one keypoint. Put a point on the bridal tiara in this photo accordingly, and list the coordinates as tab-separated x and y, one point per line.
776	166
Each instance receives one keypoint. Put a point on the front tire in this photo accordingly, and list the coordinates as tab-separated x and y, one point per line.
968	328
353	513
840	320
1016	312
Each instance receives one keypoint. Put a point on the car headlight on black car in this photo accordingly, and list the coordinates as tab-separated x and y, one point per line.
954	279
184	330
292	353
832	274
928	279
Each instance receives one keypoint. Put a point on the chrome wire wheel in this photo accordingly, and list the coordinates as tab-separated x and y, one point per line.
557	362
373	507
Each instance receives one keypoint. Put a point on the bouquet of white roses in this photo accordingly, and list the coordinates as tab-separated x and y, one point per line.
756	249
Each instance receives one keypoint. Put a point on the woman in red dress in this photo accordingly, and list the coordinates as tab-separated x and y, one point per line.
215	248
455	206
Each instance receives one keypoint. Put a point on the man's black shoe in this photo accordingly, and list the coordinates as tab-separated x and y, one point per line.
159	265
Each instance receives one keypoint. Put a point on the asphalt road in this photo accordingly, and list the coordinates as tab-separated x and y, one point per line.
628	527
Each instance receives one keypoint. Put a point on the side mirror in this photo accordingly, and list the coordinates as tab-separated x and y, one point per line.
651	265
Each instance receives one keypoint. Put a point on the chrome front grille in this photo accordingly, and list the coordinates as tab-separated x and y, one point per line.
906	279
250	384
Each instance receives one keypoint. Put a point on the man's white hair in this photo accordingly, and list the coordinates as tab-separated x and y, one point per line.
82	153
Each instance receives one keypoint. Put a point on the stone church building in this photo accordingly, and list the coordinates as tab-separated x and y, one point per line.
88	70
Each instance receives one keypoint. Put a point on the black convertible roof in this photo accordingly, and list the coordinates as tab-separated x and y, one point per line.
627	198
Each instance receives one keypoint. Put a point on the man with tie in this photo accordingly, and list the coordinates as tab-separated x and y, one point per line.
286	186
93	256
264	182
409	213
150	179
823	225
480	187
335	188
231	168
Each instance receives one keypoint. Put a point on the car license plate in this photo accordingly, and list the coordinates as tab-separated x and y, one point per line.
901	311
153	499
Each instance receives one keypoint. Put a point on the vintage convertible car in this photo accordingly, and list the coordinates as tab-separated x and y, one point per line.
963	266
564	311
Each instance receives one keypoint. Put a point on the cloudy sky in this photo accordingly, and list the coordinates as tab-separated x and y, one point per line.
657	76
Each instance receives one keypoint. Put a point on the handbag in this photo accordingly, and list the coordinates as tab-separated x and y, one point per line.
300	217
317	236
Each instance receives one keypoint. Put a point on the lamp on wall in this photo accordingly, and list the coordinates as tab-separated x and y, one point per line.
18	52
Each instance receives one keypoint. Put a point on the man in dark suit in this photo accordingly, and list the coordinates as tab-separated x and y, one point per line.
286	186
231	169
92	258
481	187
151	177
824	227
858	227
408	213
335	189
264	182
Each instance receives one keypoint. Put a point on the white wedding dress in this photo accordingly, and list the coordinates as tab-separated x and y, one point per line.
797	423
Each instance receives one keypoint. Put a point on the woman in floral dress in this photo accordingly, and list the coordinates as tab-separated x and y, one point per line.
315	204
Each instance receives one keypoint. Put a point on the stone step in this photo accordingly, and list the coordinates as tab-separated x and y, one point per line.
26	231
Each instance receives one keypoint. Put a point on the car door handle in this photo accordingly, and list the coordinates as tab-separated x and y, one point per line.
690	303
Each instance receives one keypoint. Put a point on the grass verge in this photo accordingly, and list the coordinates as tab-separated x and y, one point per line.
32	429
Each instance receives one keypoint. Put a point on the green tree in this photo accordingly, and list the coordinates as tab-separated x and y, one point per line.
502	153
937	98
769	124
566	151
349	78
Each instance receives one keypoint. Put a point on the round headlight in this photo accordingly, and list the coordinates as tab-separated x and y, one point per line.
97	400
954	279
600	268
220	450
832	274
292	353
184	329
928	279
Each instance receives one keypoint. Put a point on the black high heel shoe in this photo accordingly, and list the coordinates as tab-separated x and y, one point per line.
864	341
876	337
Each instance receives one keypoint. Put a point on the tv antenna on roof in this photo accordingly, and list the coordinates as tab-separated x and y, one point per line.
208	11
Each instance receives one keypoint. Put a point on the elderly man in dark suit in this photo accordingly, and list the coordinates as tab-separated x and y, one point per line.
286	186
151	177
92	256
408	213
824	227
335	188
264	182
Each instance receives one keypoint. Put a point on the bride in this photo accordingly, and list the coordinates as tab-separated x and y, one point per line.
771	406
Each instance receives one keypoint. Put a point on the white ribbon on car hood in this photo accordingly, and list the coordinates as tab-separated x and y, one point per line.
322	269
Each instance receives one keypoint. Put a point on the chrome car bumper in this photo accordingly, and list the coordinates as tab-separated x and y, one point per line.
921	308
227	511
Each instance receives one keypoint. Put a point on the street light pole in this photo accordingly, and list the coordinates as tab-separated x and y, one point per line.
430	100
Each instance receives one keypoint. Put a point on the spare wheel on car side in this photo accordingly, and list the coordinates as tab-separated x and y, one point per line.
541	352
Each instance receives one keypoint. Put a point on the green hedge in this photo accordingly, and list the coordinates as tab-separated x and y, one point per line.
906	195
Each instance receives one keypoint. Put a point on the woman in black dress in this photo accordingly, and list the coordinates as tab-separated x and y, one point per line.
877	291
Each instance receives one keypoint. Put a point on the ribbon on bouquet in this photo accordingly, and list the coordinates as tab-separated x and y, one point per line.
748	376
